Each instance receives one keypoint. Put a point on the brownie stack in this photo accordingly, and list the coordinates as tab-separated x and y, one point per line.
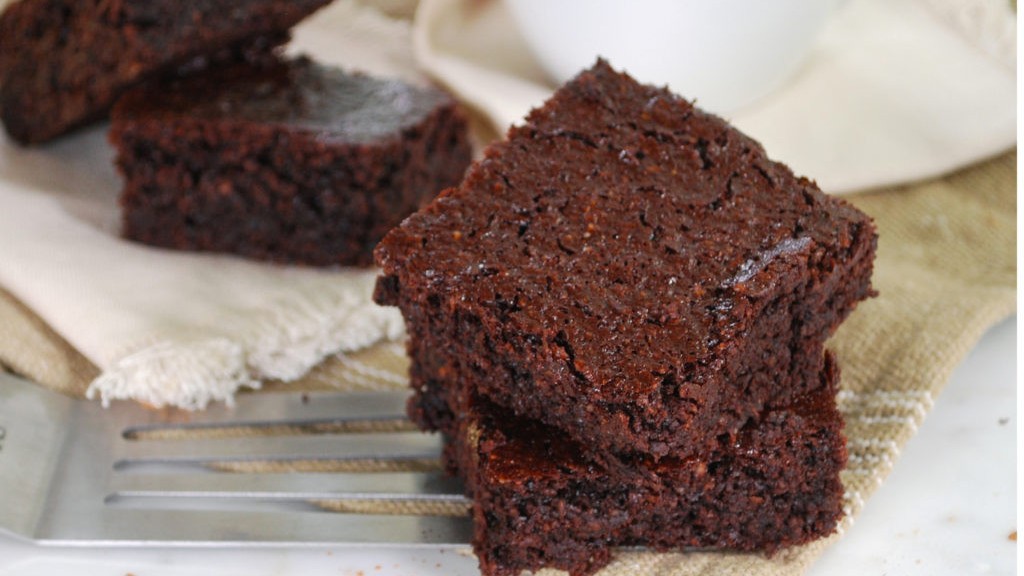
618	321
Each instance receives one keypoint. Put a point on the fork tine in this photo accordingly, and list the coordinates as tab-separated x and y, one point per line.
305	485
342	447
290	406
315	527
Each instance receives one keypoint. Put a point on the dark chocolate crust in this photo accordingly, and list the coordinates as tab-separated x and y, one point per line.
63	63
539	503
287	161
628	269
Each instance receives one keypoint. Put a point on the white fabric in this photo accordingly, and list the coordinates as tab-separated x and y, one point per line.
894	91
171	328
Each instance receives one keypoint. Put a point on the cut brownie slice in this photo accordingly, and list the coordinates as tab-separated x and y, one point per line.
537	503
628	269
63	63
287	161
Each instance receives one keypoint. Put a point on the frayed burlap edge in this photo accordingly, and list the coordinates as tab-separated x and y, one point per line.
29	347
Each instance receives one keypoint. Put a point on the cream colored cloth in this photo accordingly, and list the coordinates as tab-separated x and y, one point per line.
894	91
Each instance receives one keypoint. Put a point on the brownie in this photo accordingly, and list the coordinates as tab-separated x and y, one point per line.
538	503
628	269
63	63
282	160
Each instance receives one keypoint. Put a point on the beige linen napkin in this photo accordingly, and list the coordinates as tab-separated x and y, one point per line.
894	90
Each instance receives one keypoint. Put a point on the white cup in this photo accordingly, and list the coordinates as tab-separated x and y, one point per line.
723	53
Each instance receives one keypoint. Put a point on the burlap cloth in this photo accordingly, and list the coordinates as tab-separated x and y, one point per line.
946	271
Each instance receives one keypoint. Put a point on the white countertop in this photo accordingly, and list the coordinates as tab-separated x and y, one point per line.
948	508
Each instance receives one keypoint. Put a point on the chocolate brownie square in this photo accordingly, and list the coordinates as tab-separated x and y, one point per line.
282	160
538	502
63	63
628	269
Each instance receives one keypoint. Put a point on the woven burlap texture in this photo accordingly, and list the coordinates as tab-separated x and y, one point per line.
946	271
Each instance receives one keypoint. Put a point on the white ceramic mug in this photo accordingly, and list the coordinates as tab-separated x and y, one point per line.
723	53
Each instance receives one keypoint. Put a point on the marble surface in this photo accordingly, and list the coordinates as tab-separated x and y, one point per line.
948	508
950	504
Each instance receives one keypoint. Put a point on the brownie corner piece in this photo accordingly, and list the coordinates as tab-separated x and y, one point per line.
282	160
630	270
63	63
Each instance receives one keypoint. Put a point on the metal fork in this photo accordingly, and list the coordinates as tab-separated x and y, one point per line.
276	469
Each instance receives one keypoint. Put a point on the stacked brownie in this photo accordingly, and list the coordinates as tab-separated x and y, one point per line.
618	320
